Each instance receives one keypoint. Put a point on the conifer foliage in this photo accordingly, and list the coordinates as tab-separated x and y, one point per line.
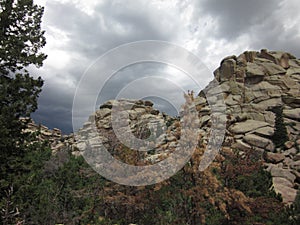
21	39
280	133
21	36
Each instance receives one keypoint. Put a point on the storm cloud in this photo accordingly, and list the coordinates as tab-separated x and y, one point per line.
79	32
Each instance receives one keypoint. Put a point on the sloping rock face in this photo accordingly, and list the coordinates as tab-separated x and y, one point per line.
243	95
253	84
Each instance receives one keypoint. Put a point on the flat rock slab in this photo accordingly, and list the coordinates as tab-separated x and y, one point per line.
282	181
295	166
241	145
274	157
247	126
257	141
292	113
265	131
288	194
284	173
273	69
254	70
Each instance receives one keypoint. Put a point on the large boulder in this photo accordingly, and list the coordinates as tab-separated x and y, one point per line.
253	70
227	69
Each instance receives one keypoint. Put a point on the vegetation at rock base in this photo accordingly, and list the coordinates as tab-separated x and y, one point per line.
62	188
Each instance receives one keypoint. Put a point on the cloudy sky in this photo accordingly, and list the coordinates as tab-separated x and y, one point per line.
78	32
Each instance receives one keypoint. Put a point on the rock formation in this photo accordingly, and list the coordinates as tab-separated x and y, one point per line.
251	85
55	137
137	117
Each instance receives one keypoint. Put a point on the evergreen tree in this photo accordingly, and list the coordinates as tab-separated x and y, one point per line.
21	36
21	39
280	134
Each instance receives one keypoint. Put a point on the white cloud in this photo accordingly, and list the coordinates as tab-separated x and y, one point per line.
58	59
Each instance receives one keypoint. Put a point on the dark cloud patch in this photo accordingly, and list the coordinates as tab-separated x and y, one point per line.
54	118
125	76
55	109
111	25
235	17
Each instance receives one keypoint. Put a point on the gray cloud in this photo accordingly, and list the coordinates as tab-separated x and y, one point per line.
280	32
111	25
235	17
212	29
85	38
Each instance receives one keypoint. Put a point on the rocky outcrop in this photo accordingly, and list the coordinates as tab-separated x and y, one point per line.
248	88
132	117
57	140
253	84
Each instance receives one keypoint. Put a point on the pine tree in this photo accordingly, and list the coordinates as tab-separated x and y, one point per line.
280	133
21	39
21	36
